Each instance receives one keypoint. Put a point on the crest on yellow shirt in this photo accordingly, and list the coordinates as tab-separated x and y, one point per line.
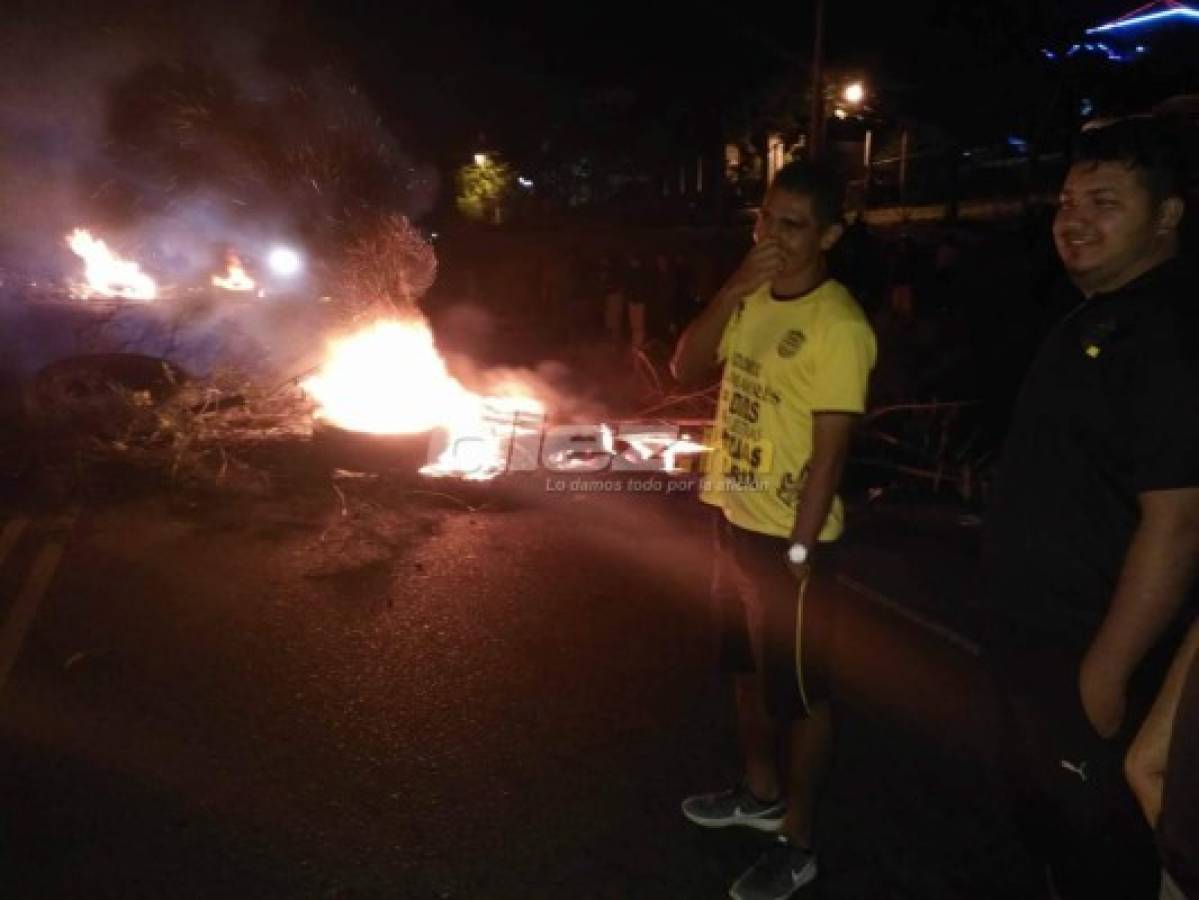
791	343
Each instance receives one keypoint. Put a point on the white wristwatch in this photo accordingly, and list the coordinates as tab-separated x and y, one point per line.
797	553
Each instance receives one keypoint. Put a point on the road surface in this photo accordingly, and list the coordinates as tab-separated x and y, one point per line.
424	691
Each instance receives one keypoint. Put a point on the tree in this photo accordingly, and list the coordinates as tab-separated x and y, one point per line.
483	188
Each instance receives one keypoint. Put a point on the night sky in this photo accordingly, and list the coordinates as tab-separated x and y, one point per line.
509	70
541	83
444	72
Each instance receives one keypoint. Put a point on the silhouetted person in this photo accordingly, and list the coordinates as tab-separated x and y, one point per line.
1095	523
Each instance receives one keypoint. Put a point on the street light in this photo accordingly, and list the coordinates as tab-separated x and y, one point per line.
480	159
853	94
285	261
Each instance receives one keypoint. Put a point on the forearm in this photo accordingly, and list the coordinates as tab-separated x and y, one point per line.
1145	766
1171	692
695	354
1158	570
816	499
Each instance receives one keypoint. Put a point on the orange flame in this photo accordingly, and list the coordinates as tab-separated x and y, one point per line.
390	379
235	278
107	274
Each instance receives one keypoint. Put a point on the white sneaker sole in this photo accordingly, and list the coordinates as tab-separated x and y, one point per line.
770	826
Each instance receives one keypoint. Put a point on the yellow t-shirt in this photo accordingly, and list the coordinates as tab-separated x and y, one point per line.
783	360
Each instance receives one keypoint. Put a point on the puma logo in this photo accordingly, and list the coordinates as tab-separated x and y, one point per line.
1080	769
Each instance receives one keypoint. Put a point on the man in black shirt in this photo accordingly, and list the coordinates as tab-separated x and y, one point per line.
1094	535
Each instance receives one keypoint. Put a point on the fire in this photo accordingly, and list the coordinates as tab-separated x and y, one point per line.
235	278
107	274
390	379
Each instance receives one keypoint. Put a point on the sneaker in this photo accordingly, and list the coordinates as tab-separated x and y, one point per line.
780	872
737	806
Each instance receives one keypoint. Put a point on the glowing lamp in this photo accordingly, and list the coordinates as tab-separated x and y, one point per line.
285	261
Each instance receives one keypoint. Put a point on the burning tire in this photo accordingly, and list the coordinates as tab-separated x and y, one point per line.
399	454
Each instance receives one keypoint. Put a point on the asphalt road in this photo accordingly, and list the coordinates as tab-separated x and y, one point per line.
494	693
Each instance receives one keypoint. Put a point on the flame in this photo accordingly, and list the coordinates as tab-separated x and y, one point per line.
107	274
390	379
235	278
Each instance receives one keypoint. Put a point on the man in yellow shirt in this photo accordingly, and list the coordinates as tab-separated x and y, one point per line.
796	352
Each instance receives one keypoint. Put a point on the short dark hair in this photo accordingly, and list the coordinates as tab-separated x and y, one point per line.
822	184
1151	147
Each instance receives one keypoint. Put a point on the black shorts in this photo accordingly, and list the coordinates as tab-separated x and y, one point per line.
769	622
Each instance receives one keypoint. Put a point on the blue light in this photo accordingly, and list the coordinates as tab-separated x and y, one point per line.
1017	143
1110	53
1049	54
1184	12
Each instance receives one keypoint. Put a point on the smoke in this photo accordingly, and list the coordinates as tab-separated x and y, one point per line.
465	332
176	131
551	382
179	132
51	125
